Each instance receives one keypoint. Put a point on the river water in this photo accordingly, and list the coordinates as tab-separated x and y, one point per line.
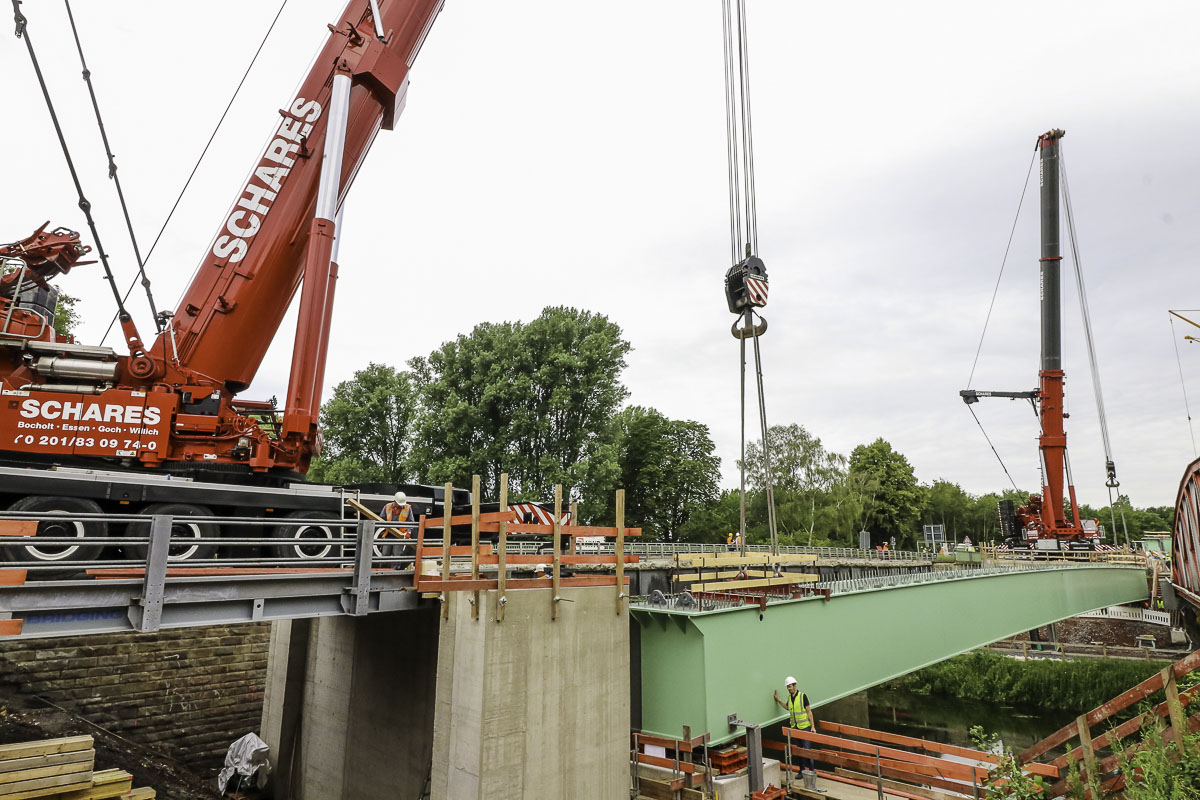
944	720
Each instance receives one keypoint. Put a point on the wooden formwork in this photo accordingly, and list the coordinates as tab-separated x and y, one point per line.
502	525
688	778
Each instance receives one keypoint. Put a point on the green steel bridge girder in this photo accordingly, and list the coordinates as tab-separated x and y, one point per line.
697	668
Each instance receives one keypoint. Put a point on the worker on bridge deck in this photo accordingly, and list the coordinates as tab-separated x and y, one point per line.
800	716
398	511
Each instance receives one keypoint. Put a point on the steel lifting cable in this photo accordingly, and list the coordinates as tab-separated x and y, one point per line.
1110	467
1179	363
991	306
85	206
731	138
203	152
112	171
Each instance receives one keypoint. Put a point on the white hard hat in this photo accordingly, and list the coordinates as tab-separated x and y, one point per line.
790	680
401	498
541	567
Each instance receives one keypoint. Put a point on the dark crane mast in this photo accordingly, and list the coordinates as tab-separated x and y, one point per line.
1042	521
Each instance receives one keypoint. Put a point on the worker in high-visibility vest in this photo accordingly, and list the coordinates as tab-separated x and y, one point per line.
800	716
398	511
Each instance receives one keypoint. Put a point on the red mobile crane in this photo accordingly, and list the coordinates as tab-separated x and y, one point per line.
1042	522
169	409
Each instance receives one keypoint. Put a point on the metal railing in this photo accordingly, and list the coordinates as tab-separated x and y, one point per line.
671	549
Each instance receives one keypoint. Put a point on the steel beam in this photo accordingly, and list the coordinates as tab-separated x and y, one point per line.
699	667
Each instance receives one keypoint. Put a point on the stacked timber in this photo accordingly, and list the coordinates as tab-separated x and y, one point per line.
62	769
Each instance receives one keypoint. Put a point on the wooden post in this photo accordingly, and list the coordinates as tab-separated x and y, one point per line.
620	550
557	544
1089	753
475	543
419	552
574	521
448	493
502	546
1178	718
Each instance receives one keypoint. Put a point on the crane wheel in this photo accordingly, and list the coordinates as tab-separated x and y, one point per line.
309	542
59	553
180	550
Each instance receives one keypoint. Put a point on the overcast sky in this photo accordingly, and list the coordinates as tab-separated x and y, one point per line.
573	153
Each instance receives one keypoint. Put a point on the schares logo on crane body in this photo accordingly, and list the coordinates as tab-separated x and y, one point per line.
273	168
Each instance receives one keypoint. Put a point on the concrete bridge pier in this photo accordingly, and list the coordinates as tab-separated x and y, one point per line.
382	706
348	708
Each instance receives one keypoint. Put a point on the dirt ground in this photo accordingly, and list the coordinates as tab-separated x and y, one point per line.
24	719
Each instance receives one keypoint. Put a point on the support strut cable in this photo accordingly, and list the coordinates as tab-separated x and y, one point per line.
112	172
203	152
1003	262
1187	409
84	205
1109	465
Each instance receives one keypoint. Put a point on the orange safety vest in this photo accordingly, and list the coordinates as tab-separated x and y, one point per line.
397	513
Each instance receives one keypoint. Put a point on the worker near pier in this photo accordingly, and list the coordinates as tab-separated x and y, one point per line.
398	511
800	716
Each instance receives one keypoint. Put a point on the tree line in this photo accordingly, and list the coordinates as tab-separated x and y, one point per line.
543	401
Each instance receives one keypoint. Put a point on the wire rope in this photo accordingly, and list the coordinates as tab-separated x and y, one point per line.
1093	363
1186	407
994	451
112	171
203	152
1004	261
731	136
84	204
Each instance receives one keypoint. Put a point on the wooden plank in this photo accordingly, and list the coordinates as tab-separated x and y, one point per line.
11	627
49	759
907	789
1046	770
756	583
855	761
106	784
1174	708
884	752
619	549
683	746
573	531
45	747
669	763
513	558
53	782
12	577
556	551
501	547
29	794
18	527
475	520
447	499
46	771
142	793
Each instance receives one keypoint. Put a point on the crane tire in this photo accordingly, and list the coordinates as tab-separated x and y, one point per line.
325	539
54	554
181	530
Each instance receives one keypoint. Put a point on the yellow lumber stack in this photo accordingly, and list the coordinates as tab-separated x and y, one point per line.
62	769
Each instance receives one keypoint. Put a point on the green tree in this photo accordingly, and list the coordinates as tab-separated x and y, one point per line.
65	316
533	399
948	505
366	426
895	508
667	468
713	521
809	485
